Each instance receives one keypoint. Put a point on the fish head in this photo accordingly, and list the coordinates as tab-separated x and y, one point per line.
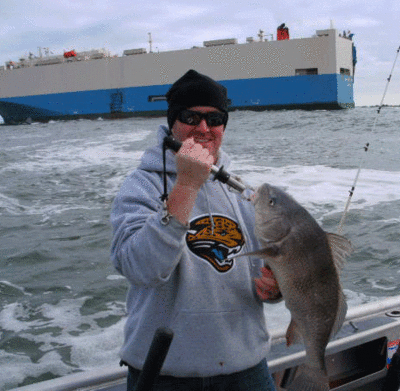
273	212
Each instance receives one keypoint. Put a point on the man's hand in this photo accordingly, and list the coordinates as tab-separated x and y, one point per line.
193	163
267	287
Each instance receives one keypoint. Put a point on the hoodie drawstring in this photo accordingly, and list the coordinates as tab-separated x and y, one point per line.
164	196
209	211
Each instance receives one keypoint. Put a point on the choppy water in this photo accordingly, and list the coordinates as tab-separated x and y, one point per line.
62	303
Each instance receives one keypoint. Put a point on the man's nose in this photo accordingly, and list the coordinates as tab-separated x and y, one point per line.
203	126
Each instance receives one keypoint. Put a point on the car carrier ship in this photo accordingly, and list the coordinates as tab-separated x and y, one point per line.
260	74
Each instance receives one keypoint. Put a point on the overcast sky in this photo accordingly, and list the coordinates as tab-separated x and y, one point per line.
121	24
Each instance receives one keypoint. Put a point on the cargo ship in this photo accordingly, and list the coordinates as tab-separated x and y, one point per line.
260	74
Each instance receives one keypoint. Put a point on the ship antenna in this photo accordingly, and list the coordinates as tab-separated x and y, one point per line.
366	147
150	43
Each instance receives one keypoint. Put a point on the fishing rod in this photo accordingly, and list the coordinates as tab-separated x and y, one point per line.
366	147
219	173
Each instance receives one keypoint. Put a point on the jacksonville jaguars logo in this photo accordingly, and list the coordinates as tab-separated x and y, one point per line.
216	246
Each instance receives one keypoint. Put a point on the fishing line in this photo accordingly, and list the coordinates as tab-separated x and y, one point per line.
366	147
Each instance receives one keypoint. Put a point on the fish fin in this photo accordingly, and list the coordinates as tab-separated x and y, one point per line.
309	379
271	250
341	314
292	333
341	249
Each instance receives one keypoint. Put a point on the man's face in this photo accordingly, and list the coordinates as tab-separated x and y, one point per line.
210	137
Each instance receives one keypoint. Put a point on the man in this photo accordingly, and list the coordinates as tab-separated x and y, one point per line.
179	256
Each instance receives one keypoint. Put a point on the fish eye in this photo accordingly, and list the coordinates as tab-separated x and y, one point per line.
272	201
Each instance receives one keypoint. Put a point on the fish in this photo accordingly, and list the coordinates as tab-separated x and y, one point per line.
306	262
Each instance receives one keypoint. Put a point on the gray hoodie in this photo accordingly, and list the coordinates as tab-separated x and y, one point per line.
179	276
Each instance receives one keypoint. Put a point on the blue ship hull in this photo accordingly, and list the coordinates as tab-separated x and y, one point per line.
329	91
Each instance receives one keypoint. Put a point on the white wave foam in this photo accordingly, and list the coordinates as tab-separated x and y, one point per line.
16	367
63	327
11	205
98	348
316	187
383	285
67	155
113	277
14	317
16	287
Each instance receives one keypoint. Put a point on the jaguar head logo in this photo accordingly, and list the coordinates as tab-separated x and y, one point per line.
216	246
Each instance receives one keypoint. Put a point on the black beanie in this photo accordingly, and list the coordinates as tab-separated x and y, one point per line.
195	89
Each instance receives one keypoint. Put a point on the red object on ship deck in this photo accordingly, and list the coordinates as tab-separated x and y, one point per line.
282	32
71	53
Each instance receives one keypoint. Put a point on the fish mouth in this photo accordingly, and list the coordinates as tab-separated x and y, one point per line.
255	196
259	192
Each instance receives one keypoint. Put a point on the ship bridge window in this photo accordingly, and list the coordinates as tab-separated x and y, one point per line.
345	71
156	98
306	71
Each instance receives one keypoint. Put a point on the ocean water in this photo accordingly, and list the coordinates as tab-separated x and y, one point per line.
62	304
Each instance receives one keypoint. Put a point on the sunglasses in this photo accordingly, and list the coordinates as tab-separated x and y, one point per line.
213	118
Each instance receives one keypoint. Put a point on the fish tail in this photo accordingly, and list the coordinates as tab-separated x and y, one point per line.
309	379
